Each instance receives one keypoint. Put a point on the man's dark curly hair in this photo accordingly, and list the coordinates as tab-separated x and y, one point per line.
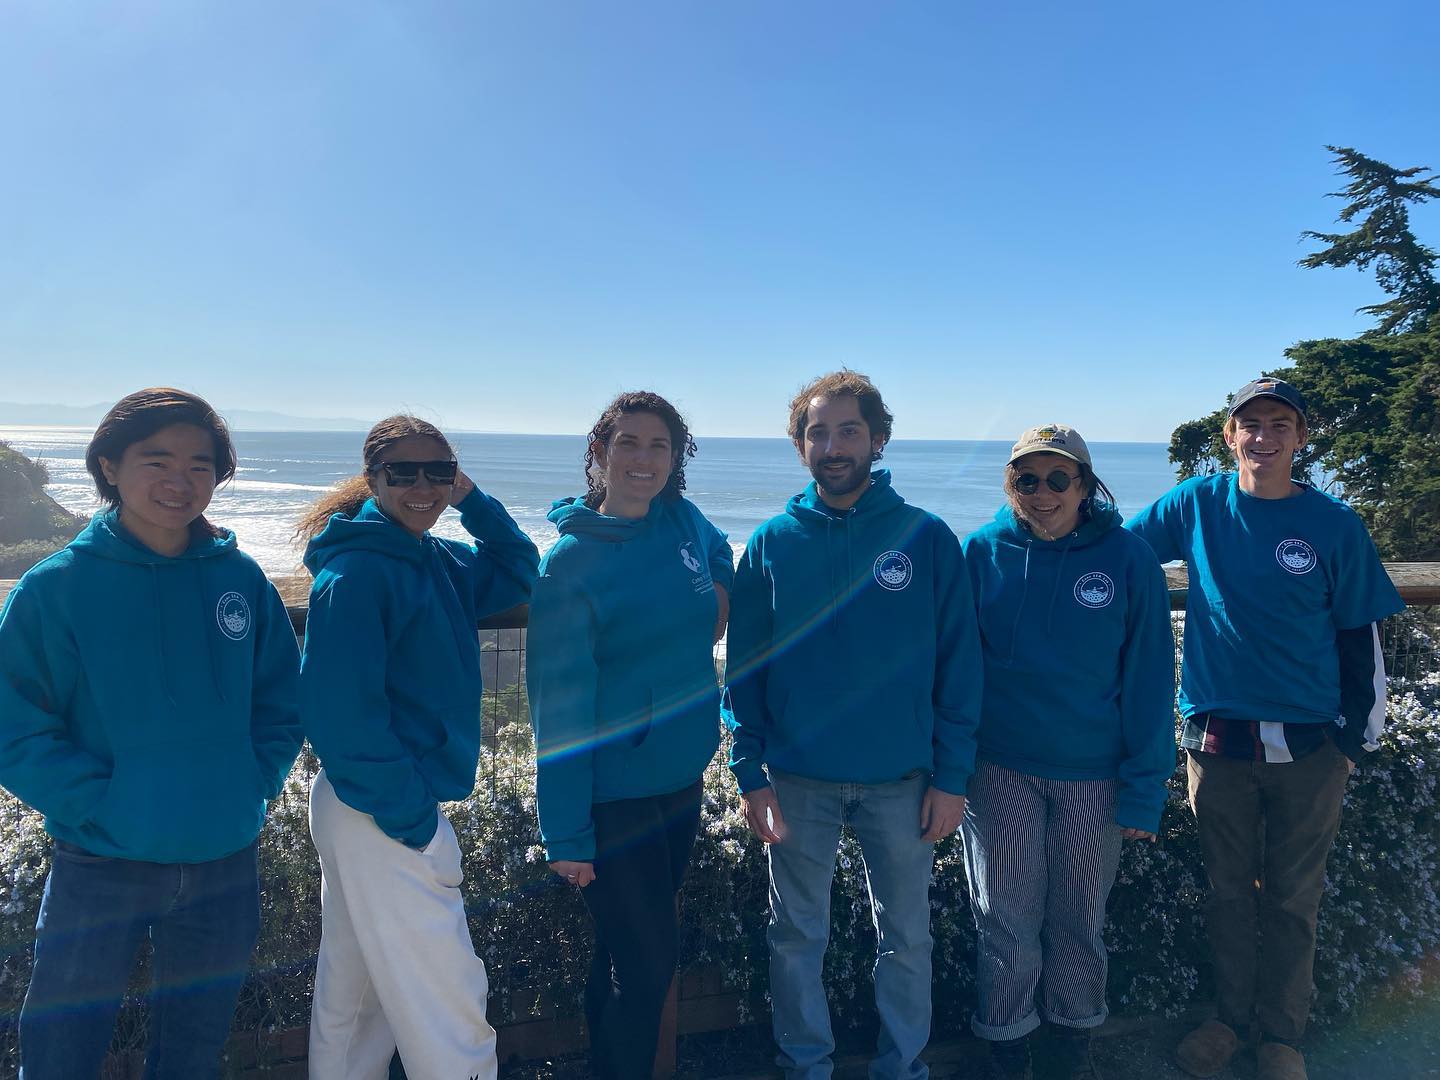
682	445
871	405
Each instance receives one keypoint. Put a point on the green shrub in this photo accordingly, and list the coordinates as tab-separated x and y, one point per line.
33	469
32	525
15	559
1380	919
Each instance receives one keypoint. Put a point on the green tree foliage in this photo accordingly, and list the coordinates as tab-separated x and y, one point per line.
1404	267
1374	405
1374	401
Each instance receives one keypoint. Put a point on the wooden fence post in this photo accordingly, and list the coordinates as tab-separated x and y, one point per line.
666	1050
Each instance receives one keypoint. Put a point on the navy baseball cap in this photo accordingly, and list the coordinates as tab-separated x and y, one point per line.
1278	389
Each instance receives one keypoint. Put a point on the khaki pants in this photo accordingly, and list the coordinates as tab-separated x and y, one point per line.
1265	831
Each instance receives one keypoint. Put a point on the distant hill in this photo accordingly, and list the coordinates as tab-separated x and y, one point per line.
18	414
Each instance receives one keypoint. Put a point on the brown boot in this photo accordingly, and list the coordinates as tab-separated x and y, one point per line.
1207	1049
1277	1061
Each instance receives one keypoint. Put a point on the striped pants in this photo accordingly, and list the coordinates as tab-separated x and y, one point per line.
1041	856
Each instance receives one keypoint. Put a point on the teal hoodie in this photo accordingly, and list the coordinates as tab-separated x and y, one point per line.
390	679
1079	658
853	651
619	662
147	702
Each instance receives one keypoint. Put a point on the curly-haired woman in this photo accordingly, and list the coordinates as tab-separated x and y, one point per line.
625	704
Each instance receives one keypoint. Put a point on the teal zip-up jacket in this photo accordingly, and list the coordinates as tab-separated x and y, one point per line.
619	662
390	678
853	653
147	702
1079	658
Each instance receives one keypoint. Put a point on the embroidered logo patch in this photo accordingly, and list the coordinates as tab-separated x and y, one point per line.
687	556
701	580
1296	556
1095	590
893	570
232	614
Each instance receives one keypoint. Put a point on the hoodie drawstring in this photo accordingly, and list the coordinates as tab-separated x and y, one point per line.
210	636
849	578
1020	610
160	635
1055	590
830	570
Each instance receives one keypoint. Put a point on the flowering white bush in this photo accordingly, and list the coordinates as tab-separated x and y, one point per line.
1380	919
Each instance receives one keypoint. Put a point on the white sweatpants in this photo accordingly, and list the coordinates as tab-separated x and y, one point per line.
397	967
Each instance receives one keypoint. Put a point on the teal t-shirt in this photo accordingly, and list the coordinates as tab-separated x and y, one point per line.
1271	581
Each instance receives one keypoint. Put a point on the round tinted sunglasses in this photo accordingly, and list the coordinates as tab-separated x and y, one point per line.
1027	483
406	473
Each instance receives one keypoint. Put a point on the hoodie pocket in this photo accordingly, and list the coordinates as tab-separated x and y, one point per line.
179	803
677	743
262	782
777	698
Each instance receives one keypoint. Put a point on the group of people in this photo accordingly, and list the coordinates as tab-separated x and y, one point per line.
1016	686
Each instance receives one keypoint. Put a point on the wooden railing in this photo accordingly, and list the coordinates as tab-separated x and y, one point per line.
1418	583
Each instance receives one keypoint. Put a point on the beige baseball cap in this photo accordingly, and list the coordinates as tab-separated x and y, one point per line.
1052	439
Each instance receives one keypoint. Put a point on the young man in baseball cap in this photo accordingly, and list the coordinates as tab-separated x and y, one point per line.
1282	691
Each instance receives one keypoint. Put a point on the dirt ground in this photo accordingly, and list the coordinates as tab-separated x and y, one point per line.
1387	1042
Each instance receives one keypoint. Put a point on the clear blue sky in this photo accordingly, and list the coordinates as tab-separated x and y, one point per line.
500	214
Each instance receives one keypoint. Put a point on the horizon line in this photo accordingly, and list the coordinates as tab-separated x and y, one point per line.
559	434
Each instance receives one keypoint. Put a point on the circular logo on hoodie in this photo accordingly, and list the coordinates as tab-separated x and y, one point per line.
1296	556
893	570
1095	590
232	613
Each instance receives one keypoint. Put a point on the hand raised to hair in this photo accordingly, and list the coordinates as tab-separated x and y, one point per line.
462	487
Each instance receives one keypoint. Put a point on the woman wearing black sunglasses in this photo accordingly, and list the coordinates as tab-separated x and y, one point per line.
1076	742
390	696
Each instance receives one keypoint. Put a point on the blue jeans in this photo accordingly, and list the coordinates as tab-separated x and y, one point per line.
203	919
885	818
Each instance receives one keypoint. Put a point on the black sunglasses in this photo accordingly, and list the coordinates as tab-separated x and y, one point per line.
405	473
1027	483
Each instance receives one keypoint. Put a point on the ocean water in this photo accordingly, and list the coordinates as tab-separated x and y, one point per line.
738	483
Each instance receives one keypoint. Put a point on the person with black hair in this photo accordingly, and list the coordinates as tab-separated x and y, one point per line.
148	710
625	704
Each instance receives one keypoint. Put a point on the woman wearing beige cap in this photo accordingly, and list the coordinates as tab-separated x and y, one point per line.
1076	742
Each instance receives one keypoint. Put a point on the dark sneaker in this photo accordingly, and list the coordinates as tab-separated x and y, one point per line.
1070	1055
1008	1060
